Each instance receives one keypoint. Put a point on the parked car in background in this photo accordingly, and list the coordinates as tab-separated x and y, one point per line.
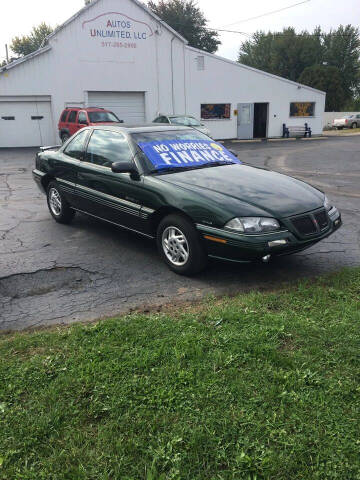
180	187
185	120
349	121
73	119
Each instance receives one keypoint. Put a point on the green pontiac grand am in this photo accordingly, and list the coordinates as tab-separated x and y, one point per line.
180	187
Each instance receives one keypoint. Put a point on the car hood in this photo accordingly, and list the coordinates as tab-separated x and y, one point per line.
274	194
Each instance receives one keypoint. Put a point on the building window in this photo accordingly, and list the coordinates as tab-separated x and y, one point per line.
215	111
200	62
8	118
302	109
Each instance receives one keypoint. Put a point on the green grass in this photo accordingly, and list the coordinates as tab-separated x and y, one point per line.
260	386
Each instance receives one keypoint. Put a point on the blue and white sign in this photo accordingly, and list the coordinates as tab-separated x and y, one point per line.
186	153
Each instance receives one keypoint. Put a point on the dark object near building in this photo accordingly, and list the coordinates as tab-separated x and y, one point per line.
296	130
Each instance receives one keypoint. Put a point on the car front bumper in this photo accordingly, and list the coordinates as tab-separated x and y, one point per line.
38	177
238	247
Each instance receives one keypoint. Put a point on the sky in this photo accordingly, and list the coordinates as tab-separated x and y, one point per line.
18	18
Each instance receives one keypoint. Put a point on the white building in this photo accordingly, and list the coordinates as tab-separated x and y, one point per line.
117	54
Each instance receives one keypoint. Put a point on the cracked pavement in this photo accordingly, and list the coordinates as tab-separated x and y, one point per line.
52	274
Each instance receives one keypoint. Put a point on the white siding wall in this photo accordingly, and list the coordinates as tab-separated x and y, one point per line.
161	66
222	81
77	64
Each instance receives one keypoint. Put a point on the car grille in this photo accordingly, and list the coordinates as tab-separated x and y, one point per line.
304	225
311	223
322	219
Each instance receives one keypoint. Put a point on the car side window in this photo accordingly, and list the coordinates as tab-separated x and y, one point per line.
357	116
82	118
64	115
161	120
75	148
106	147
72	116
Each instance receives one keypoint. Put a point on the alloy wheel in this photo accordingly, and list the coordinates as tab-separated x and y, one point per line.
55	201
175	246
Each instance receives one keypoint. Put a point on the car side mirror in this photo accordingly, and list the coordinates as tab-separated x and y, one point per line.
126	167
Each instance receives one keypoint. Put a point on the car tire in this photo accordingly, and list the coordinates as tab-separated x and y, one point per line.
339	128
65	137
180	246
354	125
58	206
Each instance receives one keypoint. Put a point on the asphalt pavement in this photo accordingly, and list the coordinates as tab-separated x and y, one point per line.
52	273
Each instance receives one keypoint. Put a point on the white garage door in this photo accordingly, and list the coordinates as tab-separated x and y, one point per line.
128	106
25	122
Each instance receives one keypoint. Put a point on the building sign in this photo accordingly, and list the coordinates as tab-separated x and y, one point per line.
186	153
215	111
115	29
302	109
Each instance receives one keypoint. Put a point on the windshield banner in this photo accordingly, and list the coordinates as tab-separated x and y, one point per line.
185	153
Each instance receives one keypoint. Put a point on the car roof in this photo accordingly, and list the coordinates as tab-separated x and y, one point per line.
88	109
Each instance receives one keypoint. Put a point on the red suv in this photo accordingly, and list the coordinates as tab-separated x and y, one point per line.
74	118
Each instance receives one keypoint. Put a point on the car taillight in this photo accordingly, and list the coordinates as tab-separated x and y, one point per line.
346	121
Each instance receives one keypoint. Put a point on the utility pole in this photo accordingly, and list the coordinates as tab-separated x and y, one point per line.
7	53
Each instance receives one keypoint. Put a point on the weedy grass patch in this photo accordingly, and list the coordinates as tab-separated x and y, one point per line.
259	386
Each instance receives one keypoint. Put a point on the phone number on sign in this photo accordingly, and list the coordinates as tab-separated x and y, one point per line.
118	44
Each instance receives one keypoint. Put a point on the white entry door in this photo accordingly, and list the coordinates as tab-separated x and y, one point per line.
127	106
245	120
25	123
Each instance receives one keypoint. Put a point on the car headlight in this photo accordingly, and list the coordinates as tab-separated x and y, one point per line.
253	224
327	204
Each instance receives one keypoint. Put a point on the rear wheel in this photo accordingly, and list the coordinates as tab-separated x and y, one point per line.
58	206
179	245
65	137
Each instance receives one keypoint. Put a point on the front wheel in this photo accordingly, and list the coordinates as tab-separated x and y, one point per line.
58	206
354	125
179	245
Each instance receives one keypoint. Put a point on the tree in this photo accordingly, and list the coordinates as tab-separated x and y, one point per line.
186	18
329	80
288	54
283	53
29	43
342	50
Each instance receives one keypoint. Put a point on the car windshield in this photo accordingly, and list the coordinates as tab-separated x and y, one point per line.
184	120
172	151
101	117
